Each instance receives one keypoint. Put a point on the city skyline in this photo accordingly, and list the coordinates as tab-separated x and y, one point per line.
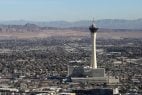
73	10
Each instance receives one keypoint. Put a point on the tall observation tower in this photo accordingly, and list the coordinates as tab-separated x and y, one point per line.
94	73
93	29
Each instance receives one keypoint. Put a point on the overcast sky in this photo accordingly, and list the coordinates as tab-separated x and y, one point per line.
69	10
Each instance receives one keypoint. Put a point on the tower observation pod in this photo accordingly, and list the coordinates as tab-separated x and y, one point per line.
93	29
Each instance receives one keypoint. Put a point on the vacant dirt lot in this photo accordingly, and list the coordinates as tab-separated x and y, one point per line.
69	33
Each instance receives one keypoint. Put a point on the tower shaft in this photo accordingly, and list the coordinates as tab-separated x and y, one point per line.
93	57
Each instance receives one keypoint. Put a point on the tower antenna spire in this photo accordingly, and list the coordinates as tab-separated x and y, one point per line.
93	20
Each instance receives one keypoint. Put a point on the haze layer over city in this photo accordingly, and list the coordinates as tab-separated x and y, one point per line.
70	47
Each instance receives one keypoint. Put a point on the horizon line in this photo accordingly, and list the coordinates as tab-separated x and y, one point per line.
69	20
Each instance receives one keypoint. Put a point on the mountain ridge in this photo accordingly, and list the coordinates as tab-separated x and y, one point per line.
104	23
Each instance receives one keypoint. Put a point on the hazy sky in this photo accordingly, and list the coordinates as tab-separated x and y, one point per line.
69	10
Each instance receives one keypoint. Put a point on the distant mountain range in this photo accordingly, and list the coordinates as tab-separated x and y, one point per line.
104	23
